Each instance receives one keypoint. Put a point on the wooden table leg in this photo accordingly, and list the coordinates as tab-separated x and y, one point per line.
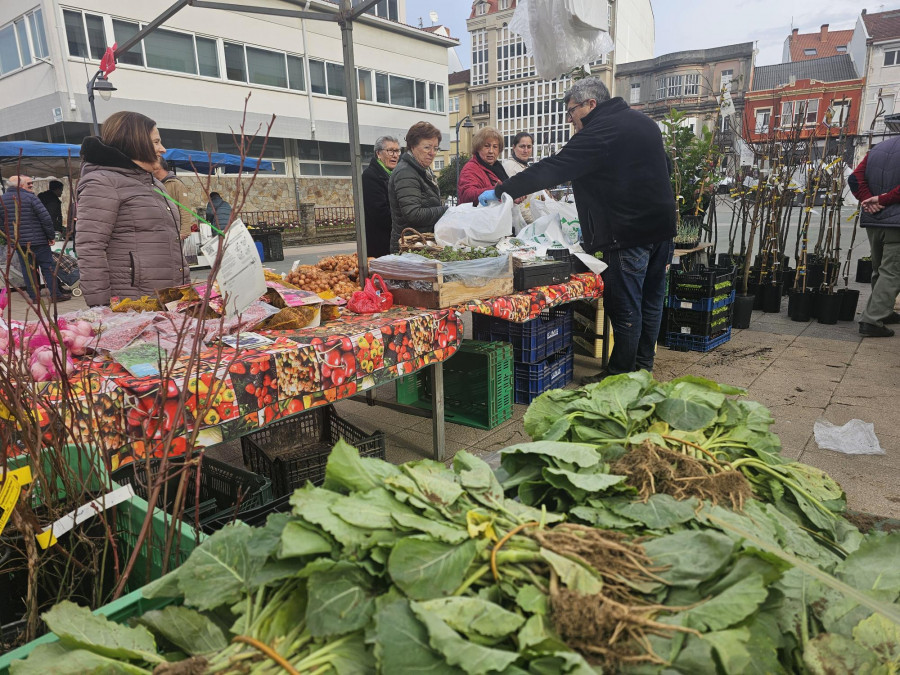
437	408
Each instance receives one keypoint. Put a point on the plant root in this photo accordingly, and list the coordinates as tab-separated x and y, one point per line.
652	469
195	665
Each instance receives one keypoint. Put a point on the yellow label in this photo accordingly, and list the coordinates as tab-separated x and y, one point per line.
10	491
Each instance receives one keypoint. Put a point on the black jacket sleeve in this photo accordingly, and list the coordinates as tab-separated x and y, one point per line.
43	216
576	158
375	198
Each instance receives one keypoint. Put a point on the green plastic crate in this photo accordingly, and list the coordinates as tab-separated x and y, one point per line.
478	385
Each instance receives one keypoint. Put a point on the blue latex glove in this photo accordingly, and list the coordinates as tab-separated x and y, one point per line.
487	196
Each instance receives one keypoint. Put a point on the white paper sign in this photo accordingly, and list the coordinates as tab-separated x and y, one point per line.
240	278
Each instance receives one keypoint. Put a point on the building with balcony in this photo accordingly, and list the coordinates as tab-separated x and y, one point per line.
691	82
875	50
507	94
805	46
819	98
194	73
459	107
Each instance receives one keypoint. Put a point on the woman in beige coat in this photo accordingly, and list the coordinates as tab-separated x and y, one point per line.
127	237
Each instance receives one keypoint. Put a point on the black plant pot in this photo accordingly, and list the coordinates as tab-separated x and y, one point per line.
849	301
800	305
828	307
787	280
863	271
743	310
727	259
771	298
815	274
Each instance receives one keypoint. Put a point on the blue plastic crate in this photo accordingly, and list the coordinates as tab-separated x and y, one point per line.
532	341
695	343
706	305
533	379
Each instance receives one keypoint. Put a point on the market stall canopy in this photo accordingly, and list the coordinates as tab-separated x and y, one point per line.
205	163
37	159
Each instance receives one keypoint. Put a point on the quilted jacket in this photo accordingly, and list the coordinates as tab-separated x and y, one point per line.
474	179
127	236
414	197
35	224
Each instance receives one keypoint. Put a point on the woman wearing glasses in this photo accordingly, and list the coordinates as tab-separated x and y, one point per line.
375	196
412	189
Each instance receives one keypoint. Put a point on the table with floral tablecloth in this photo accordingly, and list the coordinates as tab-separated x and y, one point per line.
527	305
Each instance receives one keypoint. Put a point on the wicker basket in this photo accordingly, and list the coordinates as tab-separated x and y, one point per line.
413	241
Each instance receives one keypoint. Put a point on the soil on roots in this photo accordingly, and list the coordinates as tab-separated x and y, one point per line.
652	469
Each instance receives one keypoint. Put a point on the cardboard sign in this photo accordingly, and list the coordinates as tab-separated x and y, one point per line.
240	278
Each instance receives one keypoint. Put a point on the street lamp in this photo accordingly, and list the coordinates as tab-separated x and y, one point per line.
465	123
100	84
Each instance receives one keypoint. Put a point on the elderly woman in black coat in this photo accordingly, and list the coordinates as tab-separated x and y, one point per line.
375	196
413	192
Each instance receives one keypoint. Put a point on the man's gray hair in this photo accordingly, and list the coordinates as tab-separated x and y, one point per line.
379	143
588	88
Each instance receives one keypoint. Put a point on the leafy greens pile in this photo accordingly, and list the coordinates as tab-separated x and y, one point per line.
424	568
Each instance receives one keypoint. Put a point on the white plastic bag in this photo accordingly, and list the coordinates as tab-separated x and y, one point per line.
567	213
558	45
854	438
476	226
550	231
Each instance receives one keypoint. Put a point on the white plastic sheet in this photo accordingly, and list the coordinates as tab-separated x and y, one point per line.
560	34
854	438
549	231
476	226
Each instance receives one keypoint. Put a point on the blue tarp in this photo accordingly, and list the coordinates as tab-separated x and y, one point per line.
202	161
9	150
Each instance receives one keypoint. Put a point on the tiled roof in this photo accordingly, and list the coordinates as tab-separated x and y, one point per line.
799	42
493	6
462	77
883	25
830	69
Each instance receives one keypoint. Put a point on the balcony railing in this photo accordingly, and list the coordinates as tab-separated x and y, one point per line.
481	109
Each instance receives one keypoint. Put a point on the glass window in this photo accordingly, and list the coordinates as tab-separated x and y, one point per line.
309	170
334	152
38	36
335	169
841	49
727	77
787	114
635	93
295	72
762	121
402	91
168	50
365	85
435	97
181	139
24	50
235	68
660	88
335	79
809	52
420	95
309	150
382	88
207	57
125	30
890	58
317	76
9	53
75	33
96	35
812	111
691	85
267	68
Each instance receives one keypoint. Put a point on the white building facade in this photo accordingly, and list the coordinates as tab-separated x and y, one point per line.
193	74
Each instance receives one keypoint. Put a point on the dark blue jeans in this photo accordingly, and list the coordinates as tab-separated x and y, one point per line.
38	256
634	286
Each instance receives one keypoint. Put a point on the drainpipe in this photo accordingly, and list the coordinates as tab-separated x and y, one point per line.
63	51
309	96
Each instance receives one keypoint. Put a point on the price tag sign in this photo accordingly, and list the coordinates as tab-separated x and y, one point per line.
10	491
240	277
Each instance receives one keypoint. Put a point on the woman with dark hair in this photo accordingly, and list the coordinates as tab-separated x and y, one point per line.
412	189
484	170
522	149
128	233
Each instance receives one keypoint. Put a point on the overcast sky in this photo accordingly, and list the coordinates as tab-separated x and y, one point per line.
694	24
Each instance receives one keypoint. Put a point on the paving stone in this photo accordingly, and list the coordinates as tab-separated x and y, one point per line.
862	393
786	388
825	344
794	426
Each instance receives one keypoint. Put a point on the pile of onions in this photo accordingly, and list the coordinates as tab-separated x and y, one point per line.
42	347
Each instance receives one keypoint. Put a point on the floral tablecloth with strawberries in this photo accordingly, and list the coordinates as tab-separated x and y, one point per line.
527	305
234	392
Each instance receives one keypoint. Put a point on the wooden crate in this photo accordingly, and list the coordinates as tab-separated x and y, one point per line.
450	293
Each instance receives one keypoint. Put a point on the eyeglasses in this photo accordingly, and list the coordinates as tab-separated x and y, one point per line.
390	152
574	107
429	148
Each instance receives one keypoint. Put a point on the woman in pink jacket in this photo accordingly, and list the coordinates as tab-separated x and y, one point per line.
484	170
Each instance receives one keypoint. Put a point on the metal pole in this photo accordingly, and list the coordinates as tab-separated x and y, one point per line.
457	156
350	90
90	92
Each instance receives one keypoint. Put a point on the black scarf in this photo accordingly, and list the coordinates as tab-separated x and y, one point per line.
496	168
524	162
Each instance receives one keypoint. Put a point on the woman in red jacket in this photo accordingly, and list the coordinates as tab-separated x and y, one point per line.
484	170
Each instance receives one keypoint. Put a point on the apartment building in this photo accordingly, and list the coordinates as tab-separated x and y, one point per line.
805	46
194	73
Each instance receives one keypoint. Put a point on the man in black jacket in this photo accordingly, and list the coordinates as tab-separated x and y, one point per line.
375	196
52	201
617	163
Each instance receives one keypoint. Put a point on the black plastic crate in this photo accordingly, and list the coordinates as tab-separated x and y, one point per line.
531	274
690	322
224	489
295	450
554	372
532	341
255	517
701	283
273	248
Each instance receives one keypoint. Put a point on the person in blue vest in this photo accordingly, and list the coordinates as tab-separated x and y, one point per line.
876	184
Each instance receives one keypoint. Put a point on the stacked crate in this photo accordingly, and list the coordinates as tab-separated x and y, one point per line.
699	303
543	358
